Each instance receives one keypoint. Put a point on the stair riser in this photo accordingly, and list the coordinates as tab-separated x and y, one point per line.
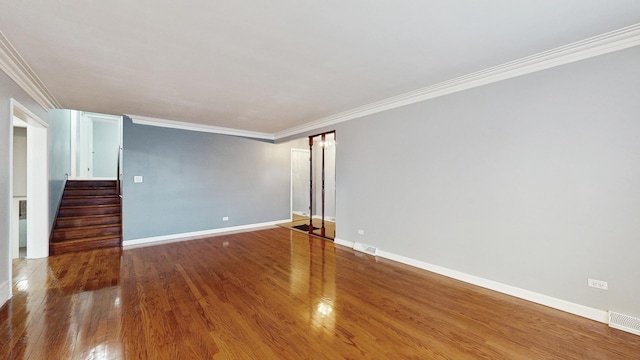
63	247
62	223
90	192
90	201
80	233
89	210
71	184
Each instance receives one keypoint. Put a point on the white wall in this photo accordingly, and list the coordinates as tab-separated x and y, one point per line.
19	161
59	157
300	181
532	182
191	180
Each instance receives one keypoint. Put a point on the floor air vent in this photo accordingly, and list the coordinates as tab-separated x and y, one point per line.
365	248
624	322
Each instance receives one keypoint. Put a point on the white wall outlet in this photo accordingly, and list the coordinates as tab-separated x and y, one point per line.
225	218
598	284
360	232
137	179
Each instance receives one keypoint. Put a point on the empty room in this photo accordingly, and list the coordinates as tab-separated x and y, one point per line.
313	180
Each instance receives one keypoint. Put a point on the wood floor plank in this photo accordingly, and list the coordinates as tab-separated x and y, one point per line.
276	294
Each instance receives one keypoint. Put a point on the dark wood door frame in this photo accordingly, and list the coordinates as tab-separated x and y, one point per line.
323	137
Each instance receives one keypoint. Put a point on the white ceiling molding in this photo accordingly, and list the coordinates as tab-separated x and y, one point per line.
143	120
598	45
17	69
102	116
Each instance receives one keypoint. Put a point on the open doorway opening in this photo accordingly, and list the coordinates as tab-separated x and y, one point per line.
30	210
96	142
322	193
299	184
19	189
313	187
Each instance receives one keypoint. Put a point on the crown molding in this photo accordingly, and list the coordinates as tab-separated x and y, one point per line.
17	69
598	45
102	116
173	124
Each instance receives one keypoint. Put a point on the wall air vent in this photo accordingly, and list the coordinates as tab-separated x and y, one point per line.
624	322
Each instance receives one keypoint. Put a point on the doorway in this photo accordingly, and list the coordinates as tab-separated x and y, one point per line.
322	183
96	141
299	184
19	190
313	187
32	209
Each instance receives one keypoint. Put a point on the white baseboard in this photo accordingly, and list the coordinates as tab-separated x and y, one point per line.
342	242
563	305
5	292
326	218
305	214
198	234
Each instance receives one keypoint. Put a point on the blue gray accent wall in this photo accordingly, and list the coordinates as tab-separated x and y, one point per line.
532	182
191	180
59	158
8	90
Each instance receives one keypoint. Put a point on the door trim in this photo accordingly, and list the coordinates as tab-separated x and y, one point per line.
37	179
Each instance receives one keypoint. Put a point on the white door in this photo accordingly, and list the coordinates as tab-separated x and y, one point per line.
97	142
105	148
84	148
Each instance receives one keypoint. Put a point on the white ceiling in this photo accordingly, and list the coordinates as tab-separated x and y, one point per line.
268	66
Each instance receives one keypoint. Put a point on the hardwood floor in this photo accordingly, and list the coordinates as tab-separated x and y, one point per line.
330	226
276	294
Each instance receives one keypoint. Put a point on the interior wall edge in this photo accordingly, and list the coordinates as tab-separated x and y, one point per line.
5	292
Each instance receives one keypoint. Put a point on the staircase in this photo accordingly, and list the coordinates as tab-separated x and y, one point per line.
88	218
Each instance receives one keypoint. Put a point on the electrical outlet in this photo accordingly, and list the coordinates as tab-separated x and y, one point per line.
225	218
598	284
360	232
138	179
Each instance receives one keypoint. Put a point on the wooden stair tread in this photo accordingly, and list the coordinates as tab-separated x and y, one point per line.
85	232
89	192
89	200
92	187
68	222
79	217
85	206
105	197
92	238
90	183
87	227
91	196
56	248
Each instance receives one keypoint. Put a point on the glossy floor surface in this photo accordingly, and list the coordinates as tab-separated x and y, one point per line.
329	226
276	294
